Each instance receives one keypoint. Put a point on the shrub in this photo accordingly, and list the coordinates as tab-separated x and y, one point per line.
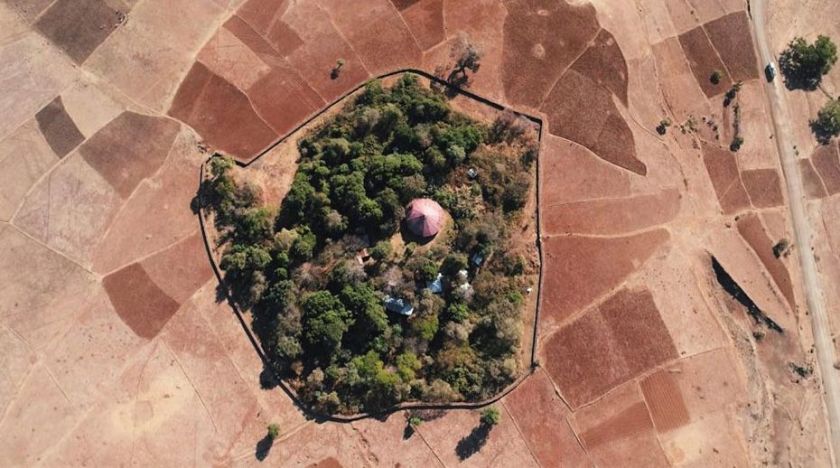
827	123
453	263
325	321
459	312
715	77
490	416
736	144
273	431
781	247
303	246
382	251
424	269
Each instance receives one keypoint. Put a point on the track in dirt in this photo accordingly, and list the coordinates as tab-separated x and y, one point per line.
803	235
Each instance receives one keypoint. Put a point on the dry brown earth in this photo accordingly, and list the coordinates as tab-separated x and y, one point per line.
117	352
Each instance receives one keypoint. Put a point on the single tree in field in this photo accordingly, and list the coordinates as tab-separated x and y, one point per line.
336	70
490	416
804	64
827	123
715	77
466	57
736	144
273	431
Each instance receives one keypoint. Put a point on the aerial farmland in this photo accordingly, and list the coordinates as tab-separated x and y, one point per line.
330	233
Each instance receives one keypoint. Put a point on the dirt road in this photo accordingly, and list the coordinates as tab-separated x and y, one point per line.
802	231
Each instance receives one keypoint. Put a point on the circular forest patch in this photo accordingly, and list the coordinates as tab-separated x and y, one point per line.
399	265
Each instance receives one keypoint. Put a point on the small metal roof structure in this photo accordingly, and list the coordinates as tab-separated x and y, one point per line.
424	217
399	306
436	286
462	276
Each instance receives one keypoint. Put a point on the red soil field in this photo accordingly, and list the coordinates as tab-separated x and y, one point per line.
617	430
139	302
751	229
228	56
221	113
814	187
826	162
701	384
570	172
306	38
541	39
283	100
181	269
129	149
28	9
616	144
263	17
704	61
604	63
731	37
377	33
403	4
627	423
582	111
262	14
607	346
58	128
425	19
542	418
577	269
78	27
704	10
665	401
328	462
681	90
256	41
610	216
158	213
385	440
723	171
764	187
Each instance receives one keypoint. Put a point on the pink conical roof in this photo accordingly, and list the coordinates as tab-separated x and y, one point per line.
424	217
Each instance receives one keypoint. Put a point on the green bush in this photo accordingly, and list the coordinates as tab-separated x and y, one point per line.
273	431
325	321
827	123
490	416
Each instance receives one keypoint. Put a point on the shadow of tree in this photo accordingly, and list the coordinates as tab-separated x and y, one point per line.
821	133
473	442
263	448
268	380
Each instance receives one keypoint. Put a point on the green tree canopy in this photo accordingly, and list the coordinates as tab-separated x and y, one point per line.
804	64
827	123
325	321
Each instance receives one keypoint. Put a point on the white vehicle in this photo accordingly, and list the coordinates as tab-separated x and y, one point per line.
770	71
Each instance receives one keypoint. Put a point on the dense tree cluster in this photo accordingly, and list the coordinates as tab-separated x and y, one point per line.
318	301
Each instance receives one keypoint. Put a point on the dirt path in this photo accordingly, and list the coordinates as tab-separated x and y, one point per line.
802	232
